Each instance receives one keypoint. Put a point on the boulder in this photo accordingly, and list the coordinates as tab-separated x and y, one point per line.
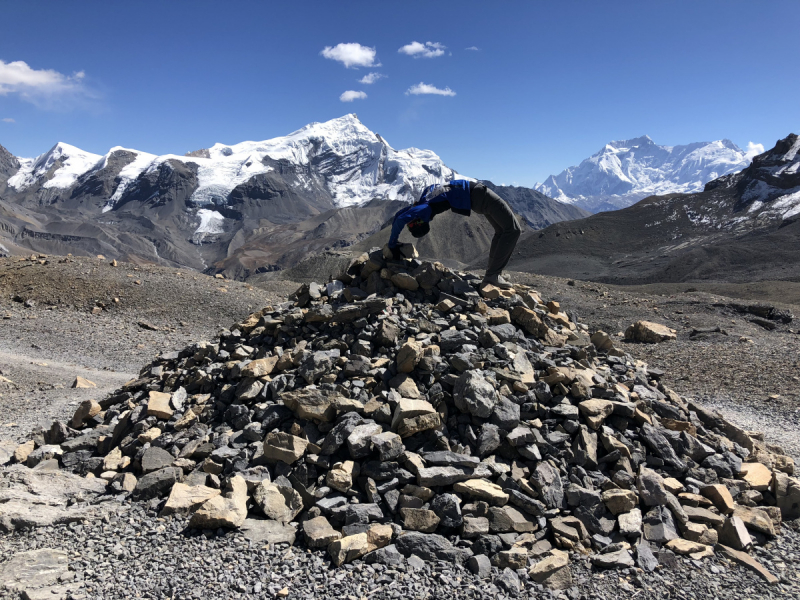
223	511
649	333
279	503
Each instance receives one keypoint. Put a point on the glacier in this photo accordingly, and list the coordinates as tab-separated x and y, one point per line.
353	163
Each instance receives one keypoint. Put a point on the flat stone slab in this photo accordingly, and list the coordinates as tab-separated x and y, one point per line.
269	532
34	569
39	498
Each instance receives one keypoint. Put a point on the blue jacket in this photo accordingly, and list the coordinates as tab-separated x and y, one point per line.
435	199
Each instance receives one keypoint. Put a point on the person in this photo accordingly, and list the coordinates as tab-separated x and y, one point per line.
463	197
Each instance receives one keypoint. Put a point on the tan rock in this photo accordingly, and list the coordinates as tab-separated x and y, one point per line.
310	403
514	558
412	416
85	411
187	420
498	316
697	532
23	451
409	356
184	499
319	533
348	549
445	305
681	546
379	536
158	405
404	281
340	476
419	519
649	333
787	495
529	321
406	386
602	341
284	447
149	436
595	411
228	511
673	486
720	496
80	382
755	519
127	481
279	503
757	475
543	569
748	561
620	501
114	460
260	367
482	490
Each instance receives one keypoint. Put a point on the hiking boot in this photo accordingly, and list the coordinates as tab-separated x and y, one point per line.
497	281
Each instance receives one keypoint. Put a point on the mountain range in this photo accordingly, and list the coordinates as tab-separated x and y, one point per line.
741	227
237	209
623	172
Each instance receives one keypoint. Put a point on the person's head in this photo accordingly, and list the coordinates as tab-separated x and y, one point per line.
419	228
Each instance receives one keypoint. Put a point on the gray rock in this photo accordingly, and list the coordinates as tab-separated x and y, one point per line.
448	508
388	444
489	439
388	555
430	547
548	484
445	457
506	414
508	580
157	483
315	366
651	487
645	559
613	560
265	531
659	526
155	459
359	441
475	395
33	570
480	565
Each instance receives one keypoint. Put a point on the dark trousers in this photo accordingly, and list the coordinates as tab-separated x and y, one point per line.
506	228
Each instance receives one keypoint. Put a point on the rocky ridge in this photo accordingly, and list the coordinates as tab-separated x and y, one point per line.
402	411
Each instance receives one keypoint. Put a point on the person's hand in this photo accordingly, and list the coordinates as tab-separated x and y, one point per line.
397	254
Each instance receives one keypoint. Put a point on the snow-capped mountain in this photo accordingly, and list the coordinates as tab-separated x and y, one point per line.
341	157
625	171
238	208
741	227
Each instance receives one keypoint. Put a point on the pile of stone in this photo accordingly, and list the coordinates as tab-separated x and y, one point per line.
402	409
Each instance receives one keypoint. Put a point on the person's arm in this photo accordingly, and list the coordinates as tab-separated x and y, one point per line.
405	216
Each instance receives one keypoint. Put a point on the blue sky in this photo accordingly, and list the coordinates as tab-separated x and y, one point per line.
549	83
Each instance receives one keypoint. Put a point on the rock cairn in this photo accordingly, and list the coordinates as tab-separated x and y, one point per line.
402	410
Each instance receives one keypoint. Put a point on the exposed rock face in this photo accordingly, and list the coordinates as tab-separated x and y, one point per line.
522	450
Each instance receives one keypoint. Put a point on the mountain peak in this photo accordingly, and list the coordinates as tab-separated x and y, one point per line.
643	140
625	171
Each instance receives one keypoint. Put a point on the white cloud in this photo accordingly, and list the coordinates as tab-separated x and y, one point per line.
351	55
424	88
426	50
351	95
472	48
371	78
45	88
8	120
753	150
